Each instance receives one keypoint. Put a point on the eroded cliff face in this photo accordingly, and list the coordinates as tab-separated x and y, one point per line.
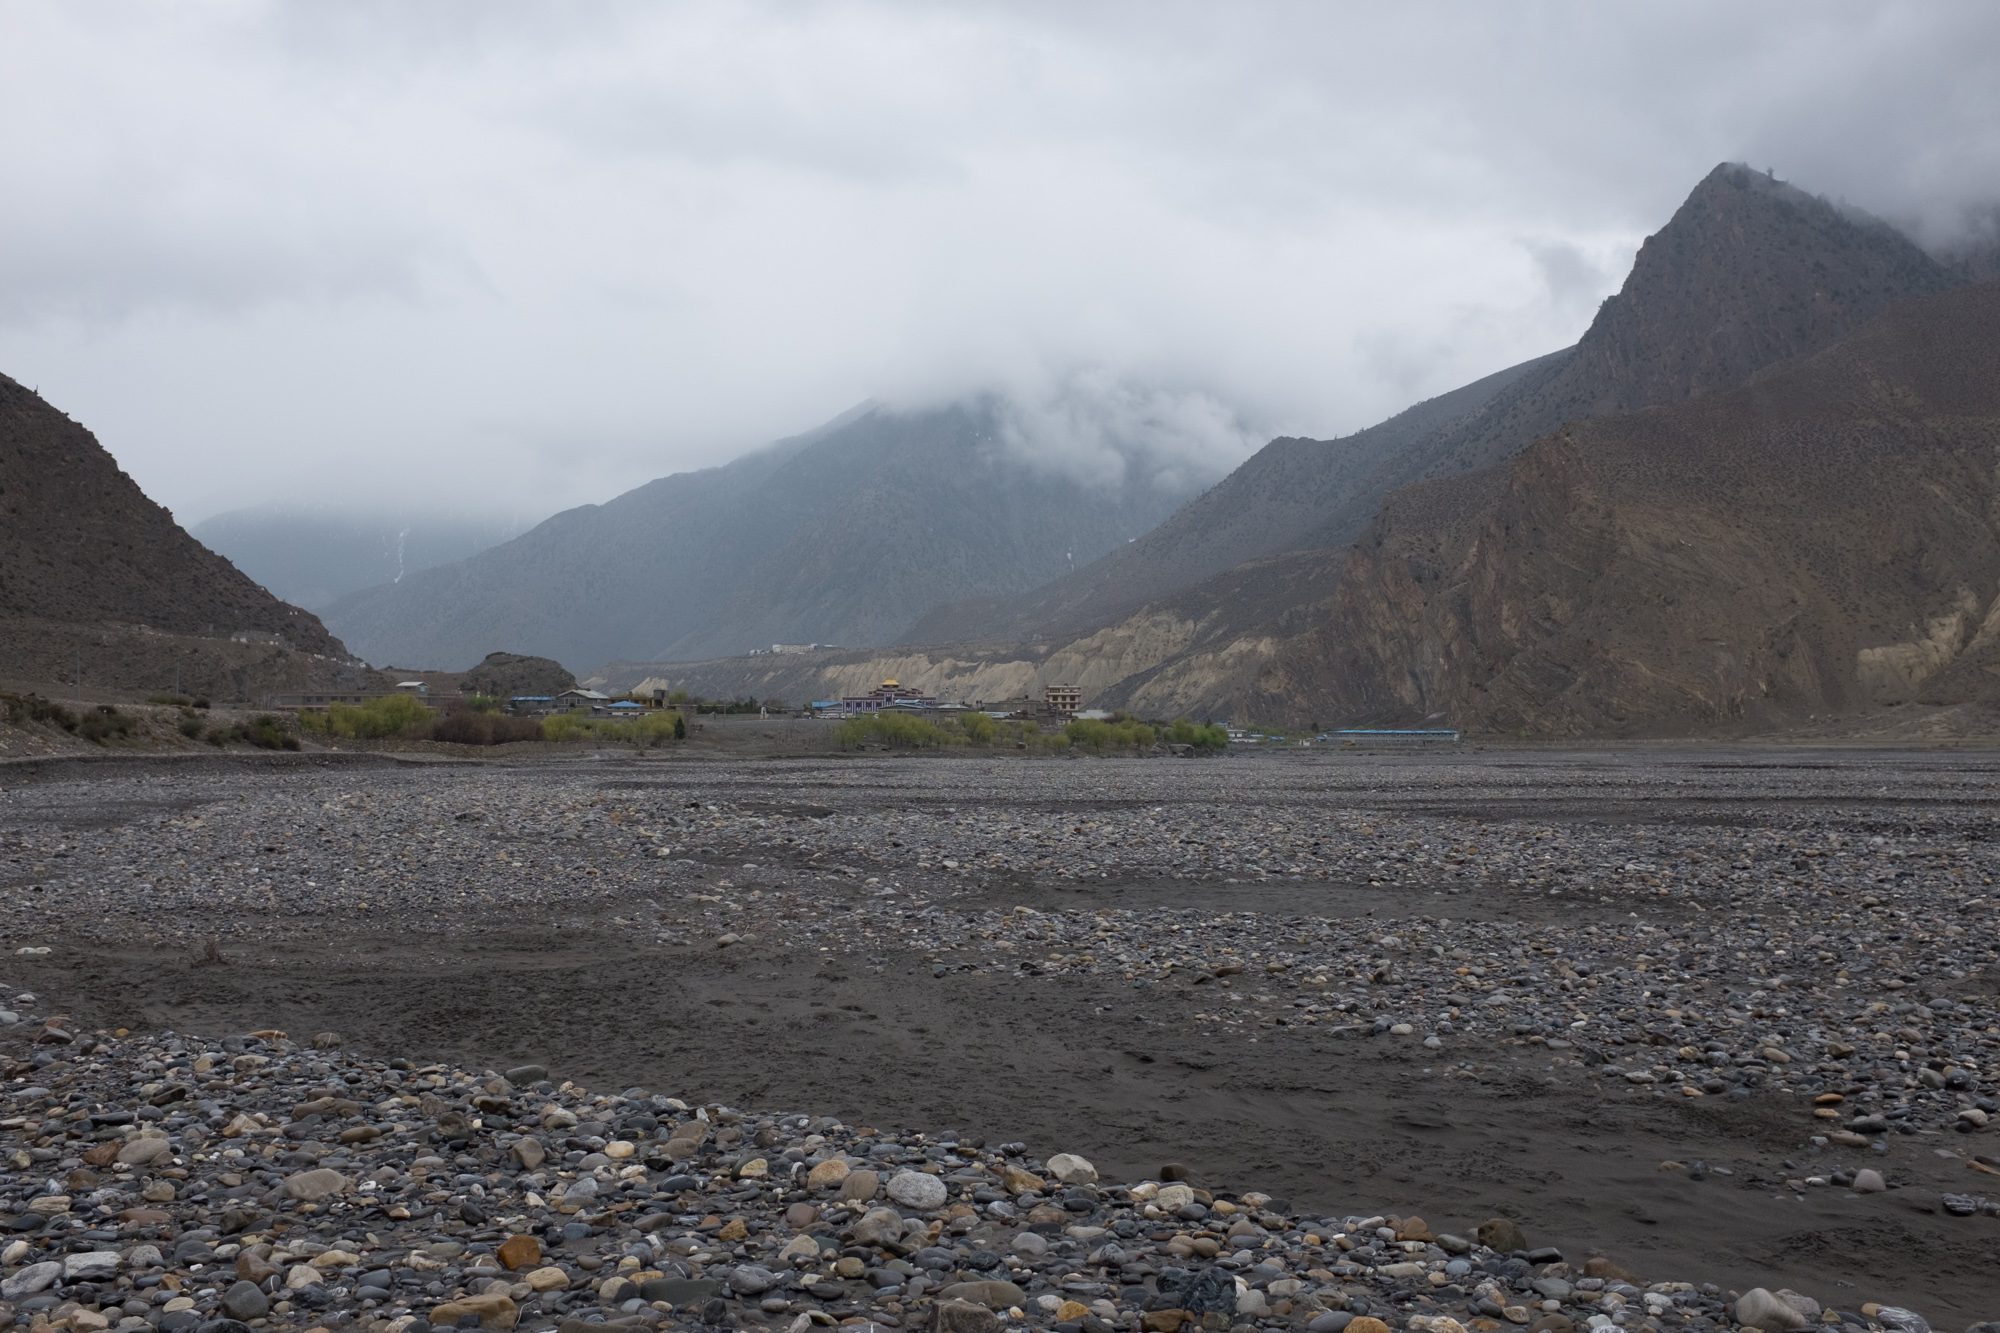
1821	541
1094	664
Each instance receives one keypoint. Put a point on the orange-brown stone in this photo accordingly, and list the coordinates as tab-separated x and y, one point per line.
519	1252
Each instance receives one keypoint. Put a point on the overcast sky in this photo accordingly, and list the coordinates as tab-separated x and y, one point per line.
539	253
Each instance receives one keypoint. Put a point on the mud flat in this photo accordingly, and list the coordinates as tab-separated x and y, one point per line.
1728	1019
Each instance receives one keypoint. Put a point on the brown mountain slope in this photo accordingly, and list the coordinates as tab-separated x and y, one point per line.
81	542
1748	272
1823	540
97	580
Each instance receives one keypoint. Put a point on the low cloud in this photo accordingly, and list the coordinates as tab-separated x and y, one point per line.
1098	429
270	248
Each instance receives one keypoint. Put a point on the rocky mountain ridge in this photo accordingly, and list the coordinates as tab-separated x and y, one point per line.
1823	540
1749	271
100	586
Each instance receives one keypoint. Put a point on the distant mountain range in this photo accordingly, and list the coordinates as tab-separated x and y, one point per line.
1417	569
312	557
848	535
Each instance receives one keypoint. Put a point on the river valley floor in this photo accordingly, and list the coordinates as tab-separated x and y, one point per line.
1720	1016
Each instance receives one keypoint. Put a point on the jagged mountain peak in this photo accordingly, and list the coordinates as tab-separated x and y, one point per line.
1749	270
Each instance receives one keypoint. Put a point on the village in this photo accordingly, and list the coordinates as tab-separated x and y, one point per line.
1056	713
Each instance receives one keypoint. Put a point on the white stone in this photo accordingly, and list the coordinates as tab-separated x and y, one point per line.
1071	1169
914	1189
1758	1308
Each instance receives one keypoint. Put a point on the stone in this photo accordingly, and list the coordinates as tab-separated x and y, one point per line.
529	1152
752	1279
1018	1181
915	1189
144	1152
493	1309
1759	1308
312	1186
30	1280
251	1267
1902	1321
881	1227
1869	1181
828	1175
1366	1324
1502	1234
522	1076
245	1301
860	1186
1071	1169
992	1295
949	1316
680	1291
91	1266
519	1252
1204	1291
550	1278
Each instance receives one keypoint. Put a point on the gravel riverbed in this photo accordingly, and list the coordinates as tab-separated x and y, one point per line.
1655	1039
